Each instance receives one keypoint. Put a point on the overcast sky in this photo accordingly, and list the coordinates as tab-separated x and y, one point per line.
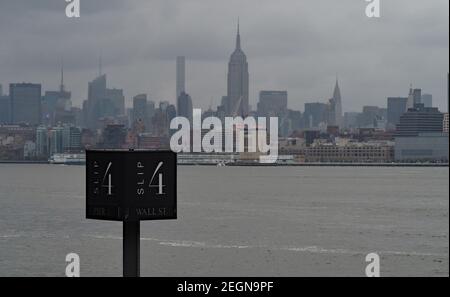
293	45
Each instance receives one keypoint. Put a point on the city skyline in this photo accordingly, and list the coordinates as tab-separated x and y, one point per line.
301	57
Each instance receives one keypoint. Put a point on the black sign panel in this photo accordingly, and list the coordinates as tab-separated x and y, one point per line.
131	185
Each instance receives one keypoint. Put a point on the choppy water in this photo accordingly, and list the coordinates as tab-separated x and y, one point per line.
293	221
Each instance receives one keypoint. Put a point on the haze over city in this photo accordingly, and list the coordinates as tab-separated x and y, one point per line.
317	40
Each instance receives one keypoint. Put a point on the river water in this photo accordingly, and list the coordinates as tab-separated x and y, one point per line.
236	221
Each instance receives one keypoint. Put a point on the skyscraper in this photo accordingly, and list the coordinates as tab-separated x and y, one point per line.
272	103
117	99
420	119
181	76
140	113
185	106
102	102
396	107
314	115
41	141
56	104
414	98
25	103
427	100
238	79
335	108
71	139
55	140
5	110
92	109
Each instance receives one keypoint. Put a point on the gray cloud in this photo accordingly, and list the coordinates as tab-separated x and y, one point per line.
291	44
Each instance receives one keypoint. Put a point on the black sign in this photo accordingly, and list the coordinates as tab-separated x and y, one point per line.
131	185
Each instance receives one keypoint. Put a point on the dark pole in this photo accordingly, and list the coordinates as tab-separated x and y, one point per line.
131	249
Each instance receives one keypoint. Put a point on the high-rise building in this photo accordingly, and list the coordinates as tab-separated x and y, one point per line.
272	103
238	82
414	98
371	116
396	107
53	103
184	103
5	110
419	120
42	142
417	95
151	110
140	114
1	90
56	140
427	100
351	120
71	139
92	107
118	101
314	115
25	103
102	103
335	117
181	76
56	105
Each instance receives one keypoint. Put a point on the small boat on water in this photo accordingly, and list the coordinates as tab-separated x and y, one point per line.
68	159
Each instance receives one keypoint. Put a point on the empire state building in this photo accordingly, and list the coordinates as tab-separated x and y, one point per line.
237	95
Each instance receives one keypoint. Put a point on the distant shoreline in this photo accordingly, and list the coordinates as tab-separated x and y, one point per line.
243	164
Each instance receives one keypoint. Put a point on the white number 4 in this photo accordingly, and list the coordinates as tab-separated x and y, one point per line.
160	185
109	185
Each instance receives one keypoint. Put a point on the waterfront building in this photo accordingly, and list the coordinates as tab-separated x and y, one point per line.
445	124
420	119
42	142
56	140
71	139
423	147
378	152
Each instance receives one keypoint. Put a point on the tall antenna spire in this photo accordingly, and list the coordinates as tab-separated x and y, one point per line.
100	70
238	37
61	86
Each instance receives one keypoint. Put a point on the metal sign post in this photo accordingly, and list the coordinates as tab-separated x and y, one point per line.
131	249
131	186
